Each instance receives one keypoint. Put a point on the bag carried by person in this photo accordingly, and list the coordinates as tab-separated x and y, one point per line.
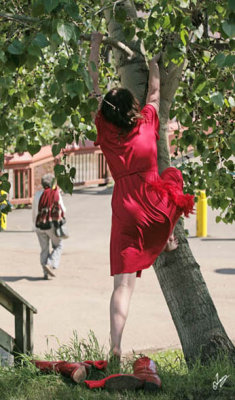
50	213
61	230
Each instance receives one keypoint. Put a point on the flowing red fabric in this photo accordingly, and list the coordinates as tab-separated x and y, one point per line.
145	205
100	364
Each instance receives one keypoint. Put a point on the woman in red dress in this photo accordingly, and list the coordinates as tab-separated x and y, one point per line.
145	205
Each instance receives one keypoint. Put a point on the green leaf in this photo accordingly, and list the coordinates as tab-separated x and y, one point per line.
230	193
5	185
153	24
166	22
87	79
4	177
21	143
72	10
217	219
50	5
75	120
229	28
28	125
59	169
16	47
220	59
184	36
72	172
231	101
56	149
199	89
184	3
229	60
65	30
91	135
231	5
34	50
3	127
230	165
74	88
65	183
28	112
33	148
217	99
174	53
93	104
38	8
2	56
40	40
140	23
59	118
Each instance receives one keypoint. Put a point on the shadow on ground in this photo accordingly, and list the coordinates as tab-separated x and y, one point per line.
18	278
226	271
107	191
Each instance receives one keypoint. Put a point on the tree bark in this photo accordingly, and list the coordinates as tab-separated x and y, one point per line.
193	312
192	309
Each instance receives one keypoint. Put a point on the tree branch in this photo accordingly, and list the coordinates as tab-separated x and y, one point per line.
19	18
106	40
114	43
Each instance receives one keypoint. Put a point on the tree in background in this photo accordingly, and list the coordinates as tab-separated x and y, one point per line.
44	49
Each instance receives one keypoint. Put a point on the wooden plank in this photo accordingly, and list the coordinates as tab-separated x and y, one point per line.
20	328
29	330
7	342
6	302
13	297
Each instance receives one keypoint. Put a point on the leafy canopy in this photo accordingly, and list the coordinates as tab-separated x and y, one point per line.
45	85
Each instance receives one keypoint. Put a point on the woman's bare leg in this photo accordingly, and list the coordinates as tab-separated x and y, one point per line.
119	306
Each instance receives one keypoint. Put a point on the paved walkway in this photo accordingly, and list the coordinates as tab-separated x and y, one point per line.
78	299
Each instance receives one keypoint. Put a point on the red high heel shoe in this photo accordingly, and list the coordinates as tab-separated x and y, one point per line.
145	369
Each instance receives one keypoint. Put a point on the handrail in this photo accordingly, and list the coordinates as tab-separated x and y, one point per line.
23	312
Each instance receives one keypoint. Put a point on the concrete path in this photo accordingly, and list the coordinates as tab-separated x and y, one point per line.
78	299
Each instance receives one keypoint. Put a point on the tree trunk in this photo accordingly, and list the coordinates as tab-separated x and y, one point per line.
193	312
192	309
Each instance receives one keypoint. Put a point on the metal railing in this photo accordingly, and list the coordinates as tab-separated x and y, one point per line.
91	167
22	187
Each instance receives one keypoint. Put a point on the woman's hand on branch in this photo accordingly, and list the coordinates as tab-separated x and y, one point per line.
155	60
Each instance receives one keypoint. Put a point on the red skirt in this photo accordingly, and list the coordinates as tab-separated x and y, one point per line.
145	209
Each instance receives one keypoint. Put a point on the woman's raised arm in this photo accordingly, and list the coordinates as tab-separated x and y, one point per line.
153	95
93	66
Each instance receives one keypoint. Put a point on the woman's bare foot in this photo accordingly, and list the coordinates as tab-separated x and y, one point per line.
114	361
172	244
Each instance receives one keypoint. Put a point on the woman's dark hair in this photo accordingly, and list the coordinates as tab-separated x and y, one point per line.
121	108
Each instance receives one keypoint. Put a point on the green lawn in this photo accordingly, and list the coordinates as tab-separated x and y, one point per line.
25	382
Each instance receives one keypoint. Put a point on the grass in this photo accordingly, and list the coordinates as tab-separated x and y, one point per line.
25	382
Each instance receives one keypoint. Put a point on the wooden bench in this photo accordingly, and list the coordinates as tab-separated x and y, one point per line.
23	312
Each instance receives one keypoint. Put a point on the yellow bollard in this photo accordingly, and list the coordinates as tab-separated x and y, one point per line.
3	219
3	222
202	214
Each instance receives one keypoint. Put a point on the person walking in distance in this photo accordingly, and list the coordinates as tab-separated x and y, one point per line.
145	205
43	202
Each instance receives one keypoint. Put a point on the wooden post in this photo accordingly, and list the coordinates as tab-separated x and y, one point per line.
20	328
29	330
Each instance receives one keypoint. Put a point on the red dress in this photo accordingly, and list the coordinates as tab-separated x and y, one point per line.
145	206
